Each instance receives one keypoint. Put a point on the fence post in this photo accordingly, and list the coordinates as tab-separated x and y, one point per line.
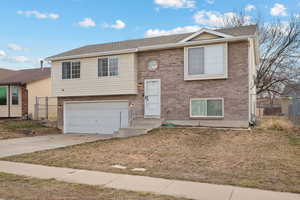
36	109
47	107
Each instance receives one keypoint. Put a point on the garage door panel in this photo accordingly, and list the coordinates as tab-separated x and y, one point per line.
102	118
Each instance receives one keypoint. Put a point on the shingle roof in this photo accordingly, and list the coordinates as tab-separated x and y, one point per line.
5	72
24	76
131	44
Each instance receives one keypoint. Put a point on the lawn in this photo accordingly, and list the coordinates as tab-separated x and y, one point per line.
265	159
23	128
24	188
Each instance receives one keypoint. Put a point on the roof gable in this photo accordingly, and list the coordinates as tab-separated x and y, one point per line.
209	34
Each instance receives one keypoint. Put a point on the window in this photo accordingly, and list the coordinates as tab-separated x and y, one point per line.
70	70
75	69
3	96
15	96
108	66
206	62
207	108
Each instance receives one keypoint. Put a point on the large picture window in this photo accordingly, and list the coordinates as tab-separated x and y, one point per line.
3	96
207	107
206	62
70	70
108	66
15	96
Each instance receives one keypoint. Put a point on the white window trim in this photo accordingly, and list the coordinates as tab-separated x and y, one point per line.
71	61
206	107
19	95
108	70
188	77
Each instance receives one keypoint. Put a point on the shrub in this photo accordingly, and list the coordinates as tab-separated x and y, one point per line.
277	123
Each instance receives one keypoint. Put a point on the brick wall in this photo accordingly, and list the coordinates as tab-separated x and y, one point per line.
24	101
176	92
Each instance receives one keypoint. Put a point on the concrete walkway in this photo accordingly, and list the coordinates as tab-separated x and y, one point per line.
17	146
192	190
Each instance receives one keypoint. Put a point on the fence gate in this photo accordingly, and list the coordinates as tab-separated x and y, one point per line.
46	108
294	110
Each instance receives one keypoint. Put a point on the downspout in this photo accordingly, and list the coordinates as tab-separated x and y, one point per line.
8	99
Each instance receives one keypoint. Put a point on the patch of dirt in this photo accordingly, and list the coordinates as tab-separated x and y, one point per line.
18	128
260	158
24	188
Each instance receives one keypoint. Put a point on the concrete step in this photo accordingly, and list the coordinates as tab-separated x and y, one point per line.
138	127
128	132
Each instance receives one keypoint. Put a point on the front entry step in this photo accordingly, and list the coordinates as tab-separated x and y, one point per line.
138	126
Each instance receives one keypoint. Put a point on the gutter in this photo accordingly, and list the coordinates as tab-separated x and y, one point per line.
153	47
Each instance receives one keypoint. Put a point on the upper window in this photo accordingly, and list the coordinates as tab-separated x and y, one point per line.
15	96
207	108
206	62
70	70
3	96
108	66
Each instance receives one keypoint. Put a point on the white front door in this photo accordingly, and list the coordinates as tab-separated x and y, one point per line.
152	97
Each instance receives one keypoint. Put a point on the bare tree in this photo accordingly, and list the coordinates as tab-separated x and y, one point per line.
279	44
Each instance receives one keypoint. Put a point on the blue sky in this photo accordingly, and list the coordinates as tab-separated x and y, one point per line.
34	29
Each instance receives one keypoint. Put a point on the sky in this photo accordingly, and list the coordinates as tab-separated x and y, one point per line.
31	30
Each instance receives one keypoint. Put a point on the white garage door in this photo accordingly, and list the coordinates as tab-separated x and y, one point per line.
95	117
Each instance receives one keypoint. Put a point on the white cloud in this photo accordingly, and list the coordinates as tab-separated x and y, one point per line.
16	59
37	14
249	7
278	10
215	18
15	47
159	32
87	22
176	3
210	1
2	53
119	24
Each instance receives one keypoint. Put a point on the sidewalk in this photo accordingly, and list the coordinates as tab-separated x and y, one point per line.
192	190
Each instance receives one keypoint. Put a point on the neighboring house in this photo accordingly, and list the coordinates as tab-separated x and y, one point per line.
204	78
290	91
19	89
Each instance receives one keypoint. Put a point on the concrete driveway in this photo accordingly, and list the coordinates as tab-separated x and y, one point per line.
17	146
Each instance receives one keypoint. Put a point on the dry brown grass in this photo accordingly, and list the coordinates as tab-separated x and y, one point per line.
276	123
24	188
17	128
265	159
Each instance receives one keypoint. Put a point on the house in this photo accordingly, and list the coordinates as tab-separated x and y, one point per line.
19	89
290	91
205	78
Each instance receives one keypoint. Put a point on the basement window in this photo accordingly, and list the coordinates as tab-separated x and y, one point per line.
212	107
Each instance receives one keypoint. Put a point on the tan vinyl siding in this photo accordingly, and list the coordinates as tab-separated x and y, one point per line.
205	36
89	84
41	88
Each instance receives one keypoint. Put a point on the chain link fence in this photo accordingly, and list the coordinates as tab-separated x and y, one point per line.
294	110
46	109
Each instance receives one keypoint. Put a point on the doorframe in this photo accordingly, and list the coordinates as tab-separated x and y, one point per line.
86	101
152	116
